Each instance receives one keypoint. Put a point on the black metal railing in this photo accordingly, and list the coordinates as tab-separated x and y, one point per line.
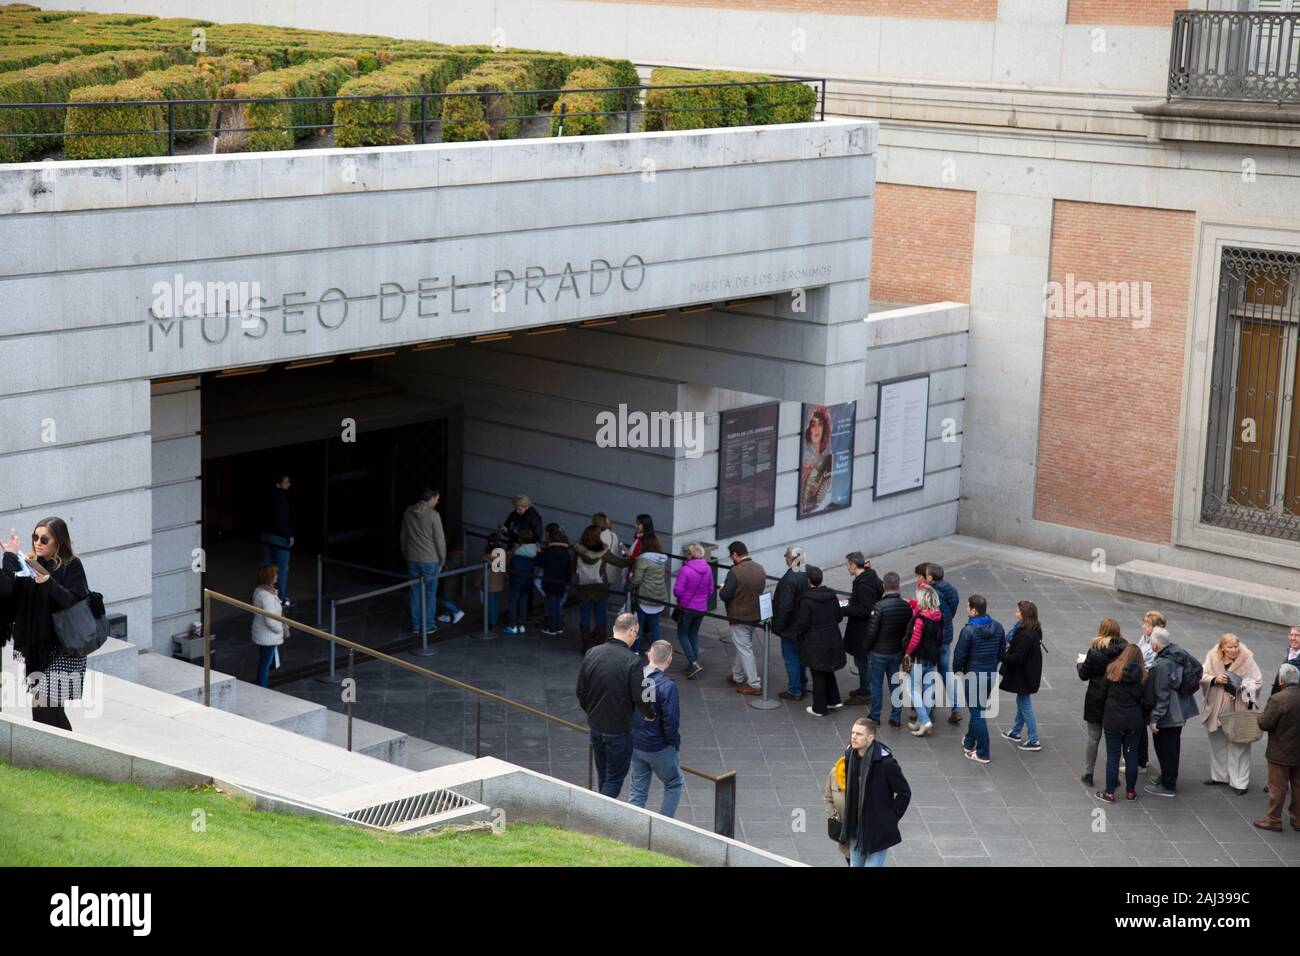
424	116
1235	56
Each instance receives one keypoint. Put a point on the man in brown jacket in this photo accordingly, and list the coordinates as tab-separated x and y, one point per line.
1281	721
745	581
424	547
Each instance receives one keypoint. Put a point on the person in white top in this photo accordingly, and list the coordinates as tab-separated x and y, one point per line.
267	634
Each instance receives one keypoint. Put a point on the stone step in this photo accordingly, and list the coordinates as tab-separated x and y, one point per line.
425	755
370	739
280	710
1245	599
185	680
118	658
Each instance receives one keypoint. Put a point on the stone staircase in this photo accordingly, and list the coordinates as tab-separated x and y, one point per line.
185	680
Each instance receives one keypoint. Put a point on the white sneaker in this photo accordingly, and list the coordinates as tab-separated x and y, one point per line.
457	618
813	712
444	618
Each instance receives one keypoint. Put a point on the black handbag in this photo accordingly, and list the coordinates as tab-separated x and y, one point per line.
833	828
80	630
677	615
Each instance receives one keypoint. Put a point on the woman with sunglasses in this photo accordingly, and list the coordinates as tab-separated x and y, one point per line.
56	582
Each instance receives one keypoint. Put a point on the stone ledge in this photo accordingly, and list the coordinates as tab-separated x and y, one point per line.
1245	599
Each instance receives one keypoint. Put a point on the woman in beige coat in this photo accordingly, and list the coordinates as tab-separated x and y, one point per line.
833	794
1230	681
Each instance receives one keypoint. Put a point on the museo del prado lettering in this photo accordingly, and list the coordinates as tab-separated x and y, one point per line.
216	310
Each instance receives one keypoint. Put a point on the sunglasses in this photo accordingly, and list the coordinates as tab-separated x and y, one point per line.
40	539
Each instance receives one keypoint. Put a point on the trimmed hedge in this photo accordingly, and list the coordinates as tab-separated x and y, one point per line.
138	130
231	68
609	101
33	54
725	105
54	83
388	122
495	105
315	78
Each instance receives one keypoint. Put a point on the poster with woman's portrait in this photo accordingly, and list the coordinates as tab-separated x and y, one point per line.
826	458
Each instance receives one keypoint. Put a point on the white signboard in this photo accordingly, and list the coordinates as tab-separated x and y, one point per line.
902	410
765	606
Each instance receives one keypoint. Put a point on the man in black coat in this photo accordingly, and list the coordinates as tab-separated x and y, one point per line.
792	584
867	590
883	646
611	689
876	796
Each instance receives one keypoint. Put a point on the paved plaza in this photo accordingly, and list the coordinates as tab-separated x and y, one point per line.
1021	809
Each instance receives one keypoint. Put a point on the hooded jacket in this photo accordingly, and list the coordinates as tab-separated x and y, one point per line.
817	629
980	647
876	796
650	579
1093	669
694	584
556	563
1022	661
932	618
1122	704
422	539
1168	707
664	729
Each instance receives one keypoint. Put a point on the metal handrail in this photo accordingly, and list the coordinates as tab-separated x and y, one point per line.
724	792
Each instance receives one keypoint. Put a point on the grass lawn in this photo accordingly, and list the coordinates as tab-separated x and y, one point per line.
57	819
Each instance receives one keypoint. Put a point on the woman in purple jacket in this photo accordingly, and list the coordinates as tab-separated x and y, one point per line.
692	589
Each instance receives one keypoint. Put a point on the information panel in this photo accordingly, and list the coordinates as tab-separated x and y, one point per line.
826	458
902	410
747	469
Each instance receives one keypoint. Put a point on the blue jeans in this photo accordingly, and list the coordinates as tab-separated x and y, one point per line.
858	858
518	607
493	608
649	631
429	570
863	665
946	678
688	635
613	753
1025	717
555	611
265	654
1127	741
667	766
796	675
275	550
977	732
592	611
883	670
923	696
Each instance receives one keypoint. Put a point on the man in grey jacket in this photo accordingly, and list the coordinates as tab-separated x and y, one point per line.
424	547
1169	708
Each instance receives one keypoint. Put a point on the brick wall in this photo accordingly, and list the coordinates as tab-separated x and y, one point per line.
1143	13
1109	415
921	244
912	9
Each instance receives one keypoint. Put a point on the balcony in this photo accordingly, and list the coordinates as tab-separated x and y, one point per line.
1233	78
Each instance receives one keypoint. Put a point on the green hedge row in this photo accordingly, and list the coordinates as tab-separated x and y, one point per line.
315	78
122	130
33	54
389	122
759	104
493	102
54	83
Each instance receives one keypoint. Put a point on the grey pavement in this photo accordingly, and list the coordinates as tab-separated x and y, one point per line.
1021	809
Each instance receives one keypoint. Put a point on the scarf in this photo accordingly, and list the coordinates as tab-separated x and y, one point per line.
839	774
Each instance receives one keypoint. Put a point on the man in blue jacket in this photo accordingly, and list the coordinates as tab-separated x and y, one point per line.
948	604
977	655
657	740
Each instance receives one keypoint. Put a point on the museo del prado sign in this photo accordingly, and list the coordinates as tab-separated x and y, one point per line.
184	310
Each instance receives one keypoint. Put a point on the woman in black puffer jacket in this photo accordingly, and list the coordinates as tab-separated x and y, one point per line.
1105	647
1124	717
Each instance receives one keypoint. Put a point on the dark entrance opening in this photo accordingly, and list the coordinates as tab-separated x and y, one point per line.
358	449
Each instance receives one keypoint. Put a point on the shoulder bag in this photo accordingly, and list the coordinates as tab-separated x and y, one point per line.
1241	726
83	628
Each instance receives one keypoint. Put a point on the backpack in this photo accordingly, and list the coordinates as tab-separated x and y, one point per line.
1192	672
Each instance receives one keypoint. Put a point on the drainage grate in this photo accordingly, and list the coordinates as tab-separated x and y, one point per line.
397	812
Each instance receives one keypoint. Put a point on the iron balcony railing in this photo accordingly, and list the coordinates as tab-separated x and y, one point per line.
1252	57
